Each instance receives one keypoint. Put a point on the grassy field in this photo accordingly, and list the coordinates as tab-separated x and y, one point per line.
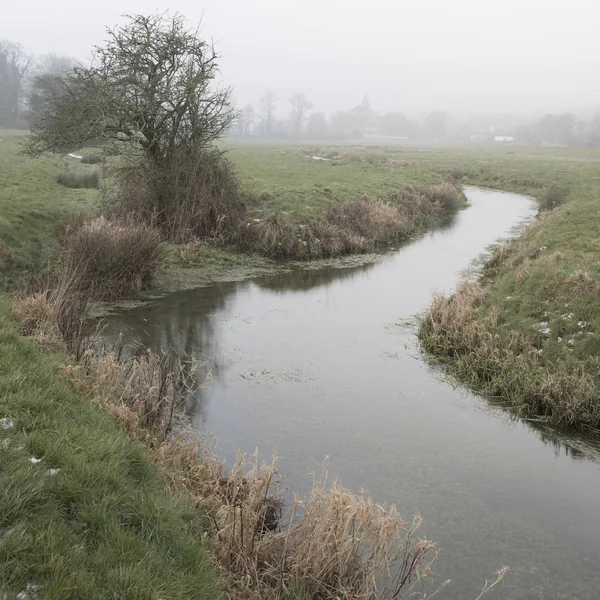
288	179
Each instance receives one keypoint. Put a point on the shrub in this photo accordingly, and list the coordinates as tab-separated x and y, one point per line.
552	197
448	195
71	179
194	194
109	259
92	159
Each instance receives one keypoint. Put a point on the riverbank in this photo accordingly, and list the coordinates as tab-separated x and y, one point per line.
84	512
528	331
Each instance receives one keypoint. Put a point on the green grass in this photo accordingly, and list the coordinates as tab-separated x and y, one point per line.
288	180
32	202
102	527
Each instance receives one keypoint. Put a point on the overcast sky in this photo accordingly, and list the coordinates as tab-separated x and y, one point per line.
408	55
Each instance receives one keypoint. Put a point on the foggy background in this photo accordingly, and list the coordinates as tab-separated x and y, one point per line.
465	56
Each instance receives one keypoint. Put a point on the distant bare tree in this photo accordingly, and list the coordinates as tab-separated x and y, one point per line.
246	120
299	111
15	65
266	109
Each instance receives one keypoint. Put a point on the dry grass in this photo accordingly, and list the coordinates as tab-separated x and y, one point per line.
54	316
333	545
581	283
355	226
109	259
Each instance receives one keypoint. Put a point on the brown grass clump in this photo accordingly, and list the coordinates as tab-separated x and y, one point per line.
580	283
448	195
332	545
109	259
54	316
367	218
141	390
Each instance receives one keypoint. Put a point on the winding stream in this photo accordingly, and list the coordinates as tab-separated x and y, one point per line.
316	363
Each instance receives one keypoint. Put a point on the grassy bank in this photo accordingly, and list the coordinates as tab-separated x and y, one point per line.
84	514
529	330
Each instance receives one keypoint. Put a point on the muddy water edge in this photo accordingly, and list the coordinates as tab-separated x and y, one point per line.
315	363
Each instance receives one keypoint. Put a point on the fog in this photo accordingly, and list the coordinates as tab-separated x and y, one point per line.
466	56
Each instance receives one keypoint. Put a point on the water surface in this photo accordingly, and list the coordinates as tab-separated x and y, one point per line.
316	363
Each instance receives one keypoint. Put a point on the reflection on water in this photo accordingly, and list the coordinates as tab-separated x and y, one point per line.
316	363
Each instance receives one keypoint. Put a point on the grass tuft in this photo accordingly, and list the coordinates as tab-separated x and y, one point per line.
109	259
92	159
75	180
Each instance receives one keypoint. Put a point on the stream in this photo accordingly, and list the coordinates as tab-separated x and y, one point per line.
316	363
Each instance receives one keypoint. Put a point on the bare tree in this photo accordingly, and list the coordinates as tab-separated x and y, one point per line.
299	111
246	120
266	109
152	85
15	65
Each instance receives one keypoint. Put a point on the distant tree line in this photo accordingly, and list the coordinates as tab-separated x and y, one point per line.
299	121
28	84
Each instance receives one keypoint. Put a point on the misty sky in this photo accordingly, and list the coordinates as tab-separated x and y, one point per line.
408	55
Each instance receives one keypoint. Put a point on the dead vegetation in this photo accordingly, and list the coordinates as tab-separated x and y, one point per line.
108	258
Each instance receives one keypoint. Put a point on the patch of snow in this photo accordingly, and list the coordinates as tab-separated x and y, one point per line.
320	158
74	156
544	247
28	593
6	423
35	461
52	472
